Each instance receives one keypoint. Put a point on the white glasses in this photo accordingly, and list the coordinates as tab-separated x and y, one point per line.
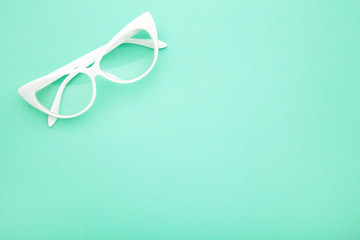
111	61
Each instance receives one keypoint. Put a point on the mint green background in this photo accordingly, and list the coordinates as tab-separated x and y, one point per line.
247	128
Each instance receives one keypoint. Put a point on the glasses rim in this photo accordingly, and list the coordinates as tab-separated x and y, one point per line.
93	72
116	79
91	102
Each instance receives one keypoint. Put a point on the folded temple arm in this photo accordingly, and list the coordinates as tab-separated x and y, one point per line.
85	61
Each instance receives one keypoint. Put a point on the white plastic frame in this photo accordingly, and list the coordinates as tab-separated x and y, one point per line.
143	22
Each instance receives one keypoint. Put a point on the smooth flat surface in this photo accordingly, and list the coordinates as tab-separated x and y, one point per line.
247	128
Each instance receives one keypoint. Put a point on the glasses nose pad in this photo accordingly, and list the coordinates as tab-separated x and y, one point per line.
92	71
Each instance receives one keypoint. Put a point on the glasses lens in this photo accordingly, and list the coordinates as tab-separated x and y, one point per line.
76	94
129	61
